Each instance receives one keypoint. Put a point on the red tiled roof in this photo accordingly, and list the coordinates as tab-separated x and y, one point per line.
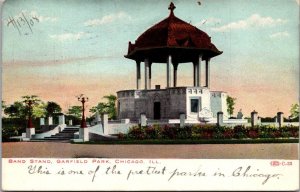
173	32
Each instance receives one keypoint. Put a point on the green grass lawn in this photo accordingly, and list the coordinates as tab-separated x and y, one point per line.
190	141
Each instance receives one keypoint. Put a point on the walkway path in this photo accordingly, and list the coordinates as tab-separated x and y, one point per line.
205	151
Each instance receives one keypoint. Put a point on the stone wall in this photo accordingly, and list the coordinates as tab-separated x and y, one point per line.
218	103
200	93
132	103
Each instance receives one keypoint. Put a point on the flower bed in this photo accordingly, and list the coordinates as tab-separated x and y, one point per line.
198	132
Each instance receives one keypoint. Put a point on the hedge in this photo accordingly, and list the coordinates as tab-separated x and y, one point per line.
196	132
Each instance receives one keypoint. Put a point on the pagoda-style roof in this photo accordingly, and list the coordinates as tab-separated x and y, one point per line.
172	36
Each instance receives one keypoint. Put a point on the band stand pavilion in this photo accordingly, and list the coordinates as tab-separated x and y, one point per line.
172	42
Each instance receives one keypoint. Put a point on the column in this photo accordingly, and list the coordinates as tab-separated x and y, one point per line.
182	120
254	118
168	70
175	65
61	119
199	71
280	119
143	120
150	74
194	73
42	121
29	132
138	75
84	134
207	62
97	117
146	73
104	122
220	118
50	120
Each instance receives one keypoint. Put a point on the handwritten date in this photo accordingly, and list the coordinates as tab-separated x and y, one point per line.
22	23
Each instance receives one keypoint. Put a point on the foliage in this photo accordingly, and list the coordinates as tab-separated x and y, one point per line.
33	98
267	119
108	107
294	111
199	131
12	127
230	105
39	110
151	132
125	141
75	111
19	109
16	110
3	105
52	108
136	133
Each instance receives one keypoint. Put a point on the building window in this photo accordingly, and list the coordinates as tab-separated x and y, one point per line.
194	105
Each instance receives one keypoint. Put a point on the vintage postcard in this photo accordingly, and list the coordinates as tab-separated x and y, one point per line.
150	95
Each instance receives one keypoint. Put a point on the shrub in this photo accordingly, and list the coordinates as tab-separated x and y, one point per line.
218	135
239	132
184	133
151	132
274	133
121	136
294	131
168	132
199	128
207	134
252	133
200	131
228	133
196	136
136	133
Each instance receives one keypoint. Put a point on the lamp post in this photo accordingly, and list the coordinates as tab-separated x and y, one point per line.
30	101
29	104
83	99
83	131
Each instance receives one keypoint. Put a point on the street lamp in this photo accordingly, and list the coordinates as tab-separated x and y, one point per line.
29	104
83	99
30	101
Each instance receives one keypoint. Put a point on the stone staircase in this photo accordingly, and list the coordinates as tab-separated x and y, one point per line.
65	135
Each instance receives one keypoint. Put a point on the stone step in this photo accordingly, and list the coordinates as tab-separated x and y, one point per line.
60	136
70	129
65	135
56	138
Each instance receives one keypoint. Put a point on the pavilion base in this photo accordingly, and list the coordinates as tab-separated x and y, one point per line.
196	103
30	132
84	134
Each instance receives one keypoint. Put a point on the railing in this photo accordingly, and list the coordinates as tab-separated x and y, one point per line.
57	129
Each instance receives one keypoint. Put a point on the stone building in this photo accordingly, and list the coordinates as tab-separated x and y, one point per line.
172	42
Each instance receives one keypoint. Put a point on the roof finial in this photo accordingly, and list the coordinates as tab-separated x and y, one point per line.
171	7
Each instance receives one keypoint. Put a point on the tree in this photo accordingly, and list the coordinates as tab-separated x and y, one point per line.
39	110
294	110
108	107
16	110
52	108
230	105
31	103
19	109
75	111
3	106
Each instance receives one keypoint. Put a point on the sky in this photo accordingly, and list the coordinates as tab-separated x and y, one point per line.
60	49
